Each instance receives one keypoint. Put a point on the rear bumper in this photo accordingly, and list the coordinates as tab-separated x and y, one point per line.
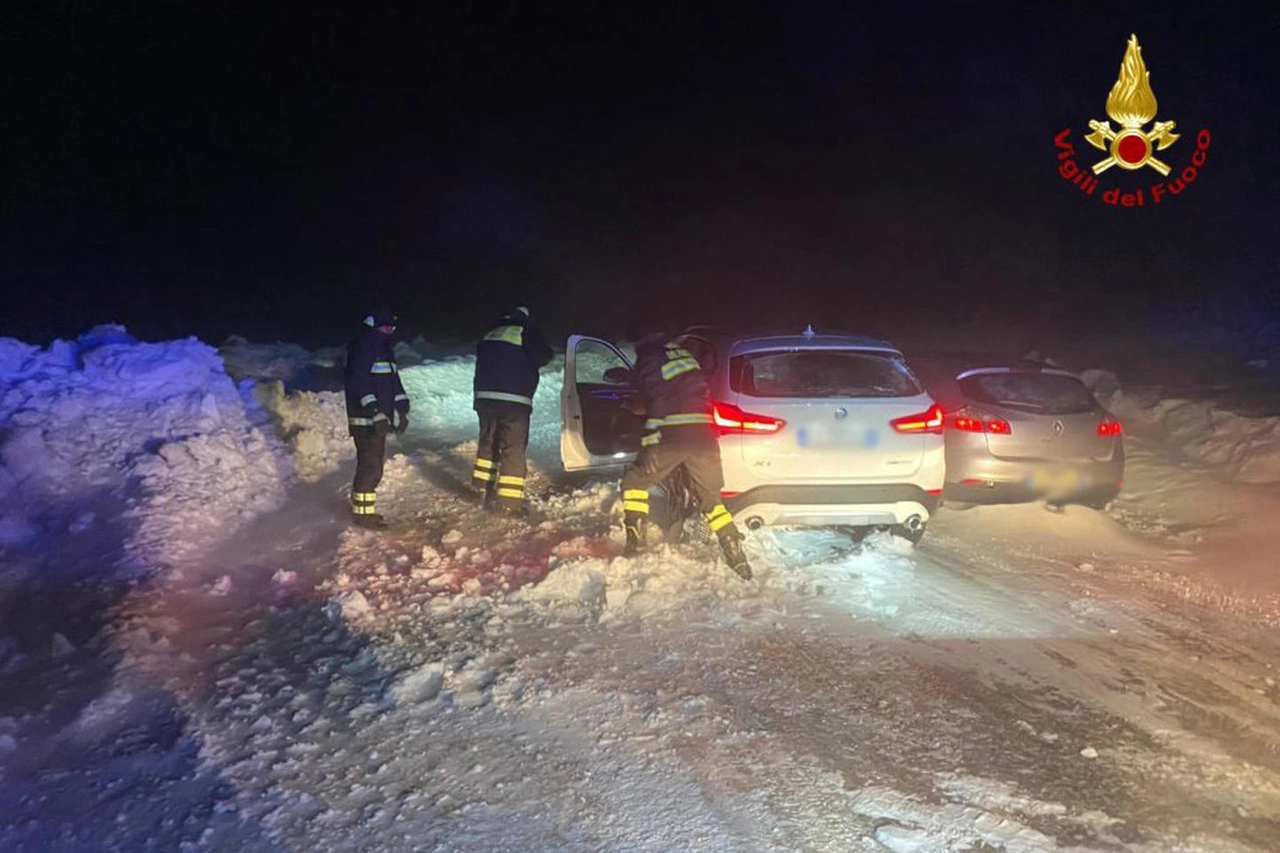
994	480
822	505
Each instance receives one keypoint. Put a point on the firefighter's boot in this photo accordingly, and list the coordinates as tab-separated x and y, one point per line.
734	554
370	521
364	511
637	527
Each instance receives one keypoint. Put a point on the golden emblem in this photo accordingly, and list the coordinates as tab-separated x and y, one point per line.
1131	104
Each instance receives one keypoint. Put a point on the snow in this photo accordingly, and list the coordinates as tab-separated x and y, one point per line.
106	421
1020	681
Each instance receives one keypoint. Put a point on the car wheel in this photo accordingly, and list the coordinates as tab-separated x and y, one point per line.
904	532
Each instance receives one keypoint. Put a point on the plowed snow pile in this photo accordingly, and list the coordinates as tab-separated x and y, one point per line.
1204	432
104	422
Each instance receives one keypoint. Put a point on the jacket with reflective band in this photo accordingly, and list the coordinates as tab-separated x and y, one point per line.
372	382
672	385
508	358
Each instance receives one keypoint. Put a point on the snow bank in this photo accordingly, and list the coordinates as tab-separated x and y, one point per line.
285	362
441	394
1199	431
312	424
104	422
439	385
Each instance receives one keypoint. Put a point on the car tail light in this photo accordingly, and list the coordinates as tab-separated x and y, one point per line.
995	426
929	422
728	419
1109	429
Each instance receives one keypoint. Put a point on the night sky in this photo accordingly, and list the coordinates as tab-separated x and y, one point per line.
276	169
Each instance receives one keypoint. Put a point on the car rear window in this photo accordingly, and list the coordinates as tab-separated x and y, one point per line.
822	373
1049	393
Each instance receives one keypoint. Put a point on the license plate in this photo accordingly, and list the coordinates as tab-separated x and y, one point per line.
1056	481
847	435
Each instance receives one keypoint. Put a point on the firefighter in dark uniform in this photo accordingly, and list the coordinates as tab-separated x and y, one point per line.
508	359
678	431
376	405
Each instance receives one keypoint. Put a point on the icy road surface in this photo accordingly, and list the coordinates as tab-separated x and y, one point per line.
1022	681
436	688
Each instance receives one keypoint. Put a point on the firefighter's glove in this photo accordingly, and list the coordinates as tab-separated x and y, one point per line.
381	426
402	424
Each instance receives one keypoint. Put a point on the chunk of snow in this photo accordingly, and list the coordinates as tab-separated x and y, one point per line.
61	646
350	605
419	685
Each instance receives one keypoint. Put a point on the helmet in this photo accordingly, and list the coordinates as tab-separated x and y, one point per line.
383	316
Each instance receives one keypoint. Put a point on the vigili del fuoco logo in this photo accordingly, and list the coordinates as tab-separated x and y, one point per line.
1132	105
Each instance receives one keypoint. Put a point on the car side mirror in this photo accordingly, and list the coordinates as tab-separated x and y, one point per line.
618	376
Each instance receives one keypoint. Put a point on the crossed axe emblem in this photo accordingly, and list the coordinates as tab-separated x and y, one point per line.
1131	148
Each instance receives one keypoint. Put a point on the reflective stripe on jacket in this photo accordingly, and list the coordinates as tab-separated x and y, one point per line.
508	358
372	382
672	387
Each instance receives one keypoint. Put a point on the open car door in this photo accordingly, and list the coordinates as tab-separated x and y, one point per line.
597	429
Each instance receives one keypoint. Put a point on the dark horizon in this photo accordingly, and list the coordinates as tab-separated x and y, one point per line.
204	170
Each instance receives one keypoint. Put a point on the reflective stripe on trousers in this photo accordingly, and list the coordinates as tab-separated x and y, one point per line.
364	503
511	487
636	500
483	472
719	518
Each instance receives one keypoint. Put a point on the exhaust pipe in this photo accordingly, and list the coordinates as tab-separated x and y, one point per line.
755	522
913	523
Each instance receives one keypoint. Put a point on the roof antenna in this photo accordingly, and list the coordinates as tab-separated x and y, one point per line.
808	331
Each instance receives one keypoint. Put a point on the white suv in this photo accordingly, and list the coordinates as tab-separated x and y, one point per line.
814	429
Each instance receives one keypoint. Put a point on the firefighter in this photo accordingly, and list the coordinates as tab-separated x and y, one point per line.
678	431
376	405
508	359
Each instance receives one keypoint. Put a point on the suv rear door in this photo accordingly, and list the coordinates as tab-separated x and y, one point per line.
596	428
837	405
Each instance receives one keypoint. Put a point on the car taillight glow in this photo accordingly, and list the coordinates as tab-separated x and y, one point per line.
1109	429
995	426
929	422
728	419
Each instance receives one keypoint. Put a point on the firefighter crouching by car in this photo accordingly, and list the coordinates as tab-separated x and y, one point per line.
678	431
508	359
376	405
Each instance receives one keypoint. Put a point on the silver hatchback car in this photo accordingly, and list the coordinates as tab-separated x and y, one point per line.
814	430
1028	432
